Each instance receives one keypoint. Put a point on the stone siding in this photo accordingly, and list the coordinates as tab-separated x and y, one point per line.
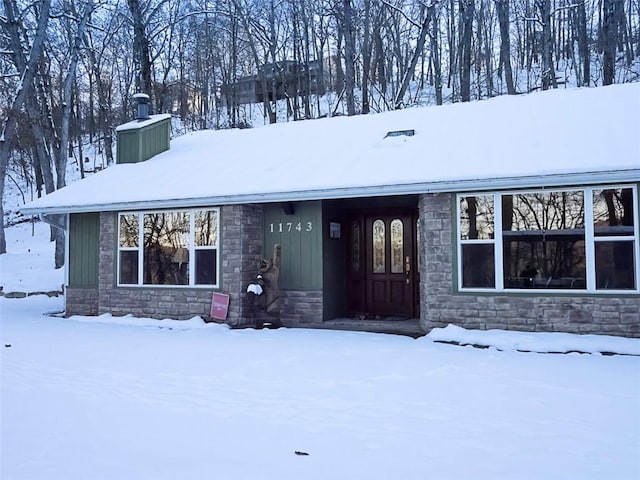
81	300
241	250
242	240
301	307
442	305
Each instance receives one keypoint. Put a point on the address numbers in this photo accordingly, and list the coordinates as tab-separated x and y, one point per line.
290	227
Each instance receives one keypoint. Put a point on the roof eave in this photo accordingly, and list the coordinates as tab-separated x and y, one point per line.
448	186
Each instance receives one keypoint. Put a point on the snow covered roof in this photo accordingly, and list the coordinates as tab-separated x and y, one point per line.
138	123
560	137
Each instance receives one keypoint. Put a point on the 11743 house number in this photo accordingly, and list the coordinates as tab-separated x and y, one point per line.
291	227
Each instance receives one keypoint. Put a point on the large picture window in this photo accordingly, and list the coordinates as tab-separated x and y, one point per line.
574	239
171	248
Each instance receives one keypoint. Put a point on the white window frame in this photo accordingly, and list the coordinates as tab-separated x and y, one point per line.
590	241
192	249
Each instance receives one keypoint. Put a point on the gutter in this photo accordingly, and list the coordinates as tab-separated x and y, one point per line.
447	186
58	219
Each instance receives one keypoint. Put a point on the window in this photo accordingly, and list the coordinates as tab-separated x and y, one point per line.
379	263
170	248
543	239
397	246
574	239
477	241
615	238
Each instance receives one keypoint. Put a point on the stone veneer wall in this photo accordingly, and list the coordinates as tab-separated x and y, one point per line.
301	307
242	241
241	251
81	300
442	305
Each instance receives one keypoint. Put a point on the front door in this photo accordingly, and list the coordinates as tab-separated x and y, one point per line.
390	264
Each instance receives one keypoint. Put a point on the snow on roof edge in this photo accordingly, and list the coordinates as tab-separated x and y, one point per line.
453	186
137	124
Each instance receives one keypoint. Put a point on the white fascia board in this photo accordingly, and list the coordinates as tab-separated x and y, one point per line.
451	186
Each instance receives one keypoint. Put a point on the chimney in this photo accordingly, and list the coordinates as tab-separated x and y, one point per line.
145	136
142	106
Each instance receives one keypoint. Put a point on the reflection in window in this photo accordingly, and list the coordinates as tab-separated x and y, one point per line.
477	241
581	239
543	211
206	262
615	265
476	217
378	246
166	248
128	251
613	212
128	267
129	230
178	248
544	240
206	225
355	246
614	230
206	242
479	269
397	249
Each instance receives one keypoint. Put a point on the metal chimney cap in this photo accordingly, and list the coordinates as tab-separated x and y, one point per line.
142	106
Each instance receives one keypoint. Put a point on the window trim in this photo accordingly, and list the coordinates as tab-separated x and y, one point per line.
192	249
590	240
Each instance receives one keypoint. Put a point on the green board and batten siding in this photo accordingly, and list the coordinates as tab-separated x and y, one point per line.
140	144
83	249
300	236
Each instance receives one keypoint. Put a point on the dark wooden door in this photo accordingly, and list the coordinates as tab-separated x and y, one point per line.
390	264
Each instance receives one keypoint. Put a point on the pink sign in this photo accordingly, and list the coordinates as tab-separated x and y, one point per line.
219	306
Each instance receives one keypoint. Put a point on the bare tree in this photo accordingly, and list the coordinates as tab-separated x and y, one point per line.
427	12
467	8
612	18
141	48
502	9
25	64
348	29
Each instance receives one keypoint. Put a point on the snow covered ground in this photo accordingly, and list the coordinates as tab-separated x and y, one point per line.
28	265
126	398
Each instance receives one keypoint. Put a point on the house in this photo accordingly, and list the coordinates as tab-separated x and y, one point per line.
282	79
518	212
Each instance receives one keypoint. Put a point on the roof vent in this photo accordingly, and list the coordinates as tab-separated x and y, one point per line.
400	133
142	106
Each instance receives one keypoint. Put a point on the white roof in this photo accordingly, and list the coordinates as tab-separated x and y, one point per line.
560	137
138	124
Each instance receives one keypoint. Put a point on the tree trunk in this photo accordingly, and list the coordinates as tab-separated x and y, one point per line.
366	57
141	50
424	30
256	58
580	17
467	8
27	72
435	56
548	70
349	57
613	13
69	80
502	9
43	156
